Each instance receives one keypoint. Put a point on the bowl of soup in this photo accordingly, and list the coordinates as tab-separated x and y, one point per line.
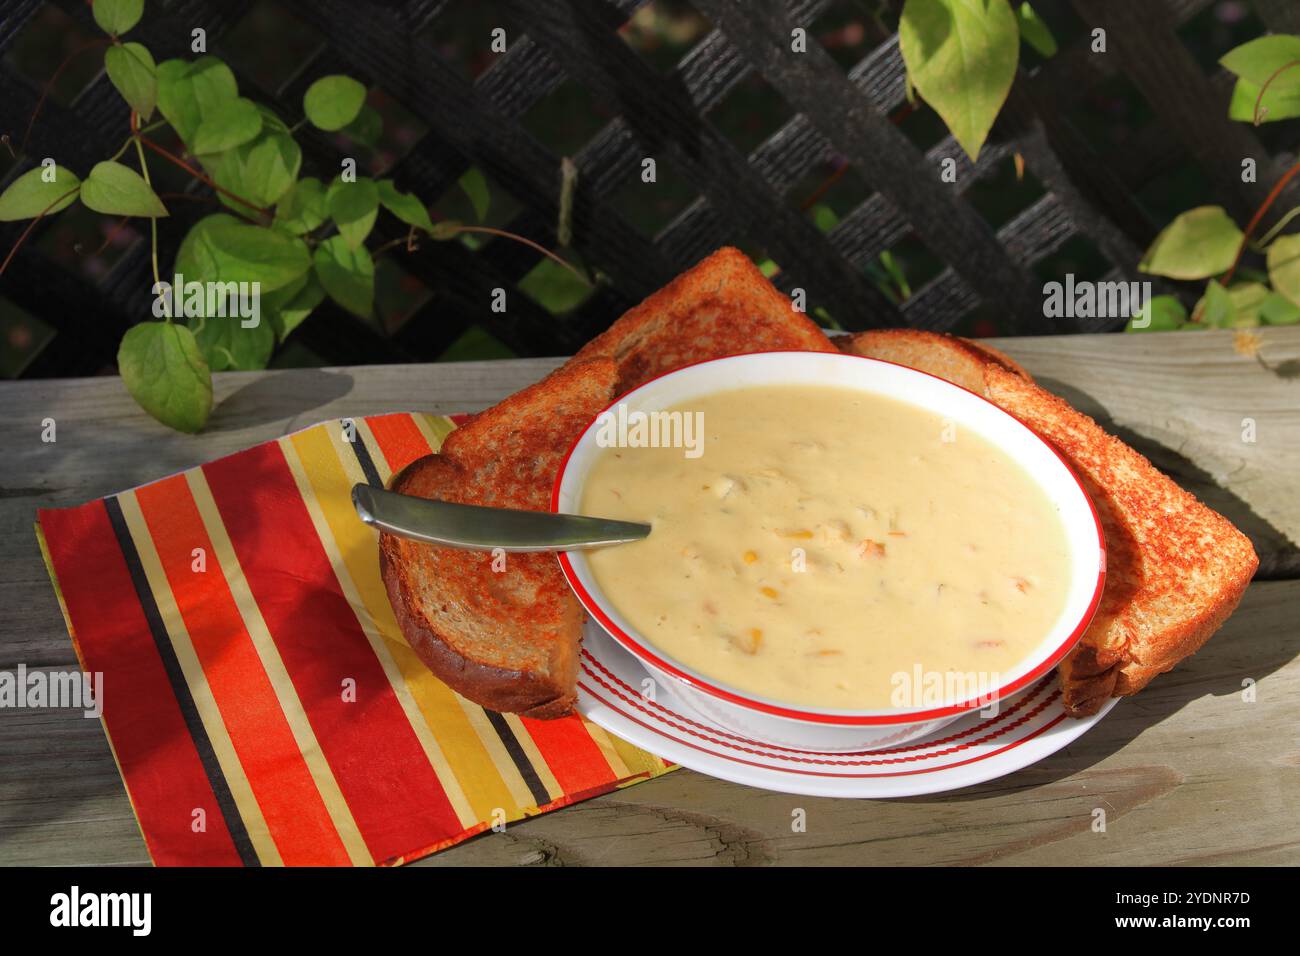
845	553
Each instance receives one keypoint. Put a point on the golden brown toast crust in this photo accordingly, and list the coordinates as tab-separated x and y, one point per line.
504	638
960	361
496	688
998	357
722	306
1175	569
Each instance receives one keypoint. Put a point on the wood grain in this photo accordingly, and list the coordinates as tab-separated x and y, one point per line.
1169	767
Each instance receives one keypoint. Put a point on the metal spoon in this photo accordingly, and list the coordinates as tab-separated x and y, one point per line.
478	528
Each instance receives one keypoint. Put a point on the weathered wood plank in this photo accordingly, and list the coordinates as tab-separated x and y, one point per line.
1187	403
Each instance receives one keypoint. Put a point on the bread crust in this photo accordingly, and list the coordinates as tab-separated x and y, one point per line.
466	620
496	688
722	306
960	361
1176	569
999	357
1185	640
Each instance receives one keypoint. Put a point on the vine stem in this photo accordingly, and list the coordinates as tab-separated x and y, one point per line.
1276	191
153	221
200	176
1249	231
131	139
1273	233
537	247
112	234
1257	116
49	84
408	240
32	225
390	244
836	175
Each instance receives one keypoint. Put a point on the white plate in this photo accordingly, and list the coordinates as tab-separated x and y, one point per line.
1030	725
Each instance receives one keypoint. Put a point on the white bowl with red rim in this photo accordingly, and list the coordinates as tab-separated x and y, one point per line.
830	729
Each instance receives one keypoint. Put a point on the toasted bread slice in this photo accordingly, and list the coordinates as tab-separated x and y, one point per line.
1175	569
506	638
723	306
509	640
960	361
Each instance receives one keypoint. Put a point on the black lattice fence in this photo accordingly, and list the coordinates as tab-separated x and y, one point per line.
839	122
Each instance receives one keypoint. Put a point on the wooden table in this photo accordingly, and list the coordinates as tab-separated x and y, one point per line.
1187	771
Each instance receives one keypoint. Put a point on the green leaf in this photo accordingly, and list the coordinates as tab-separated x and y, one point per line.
165	372
961	56
405	206
1279	310
1263	57
1284	266
554	287
353	207
120	191
1161	314
132	72
1272	60
347	274
115	17
272	122
332	102
260	171
824	217
894	269
30	194
366	128
476	188
303	207
447	229
220	248
1200	243
1034	31
288	312
1247	298
1278	103
232	123
1216	309
188	93
226	344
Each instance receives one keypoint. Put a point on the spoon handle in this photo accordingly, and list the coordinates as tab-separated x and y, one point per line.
478	528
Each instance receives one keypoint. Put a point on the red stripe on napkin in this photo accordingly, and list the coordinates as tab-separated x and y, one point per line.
164	775
399	439
258	729
390	787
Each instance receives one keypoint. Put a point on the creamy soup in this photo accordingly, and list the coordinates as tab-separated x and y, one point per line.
825	546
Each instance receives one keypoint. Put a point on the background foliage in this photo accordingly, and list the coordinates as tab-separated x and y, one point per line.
267	45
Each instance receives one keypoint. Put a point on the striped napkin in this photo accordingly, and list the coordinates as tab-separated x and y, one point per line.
259	699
